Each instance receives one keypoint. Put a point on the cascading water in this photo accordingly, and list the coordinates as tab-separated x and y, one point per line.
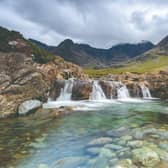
97	92
145	91
66	92
123	93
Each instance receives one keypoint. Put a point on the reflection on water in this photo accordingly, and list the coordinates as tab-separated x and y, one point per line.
28	142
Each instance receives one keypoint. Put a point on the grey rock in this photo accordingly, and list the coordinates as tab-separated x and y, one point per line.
118	132
107	153
100	141
135	143
126	137
140	133
162	153
101	162
28	106
164	145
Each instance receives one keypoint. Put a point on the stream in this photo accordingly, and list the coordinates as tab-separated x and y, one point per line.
101	134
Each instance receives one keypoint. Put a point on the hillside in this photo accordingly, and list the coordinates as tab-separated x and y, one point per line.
151	61
87	56
12	41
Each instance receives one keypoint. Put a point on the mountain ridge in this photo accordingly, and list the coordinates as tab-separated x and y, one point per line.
88	56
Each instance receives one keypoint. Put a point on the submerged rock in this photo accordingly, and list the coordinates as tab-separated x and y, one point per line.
164	145
118	132
162	154
113	146
140	133
70	162
28	106
107	153
135	143
101	162
100	141
43	166
93	150
126	163
145	156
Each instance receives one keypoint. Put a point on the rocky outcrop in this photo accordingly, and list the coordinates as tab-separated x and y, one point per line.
157	82
21	79
81	90
19	82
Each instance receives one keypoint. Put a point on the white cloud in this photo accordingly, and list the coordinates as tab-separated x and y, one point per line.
97	22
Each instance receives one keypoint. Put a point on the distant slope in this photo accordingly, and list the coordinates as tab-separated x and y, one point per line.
87	56
153	60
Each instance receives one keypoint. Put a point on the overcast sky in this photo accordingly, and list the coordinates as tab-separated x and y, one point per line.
100	23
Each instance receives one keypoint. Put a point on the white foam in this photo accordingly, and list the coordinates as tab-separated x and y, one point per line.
80	105
133	100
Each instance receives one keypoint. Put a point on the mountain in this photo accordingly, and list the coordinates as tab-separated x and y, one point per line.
87	56
153	60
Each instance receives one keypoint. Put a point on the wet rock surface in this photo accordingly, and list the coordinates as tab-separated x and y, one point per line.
81	90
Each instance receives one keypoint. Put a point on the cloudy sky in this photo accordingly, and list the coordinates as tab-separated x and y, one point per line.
101	23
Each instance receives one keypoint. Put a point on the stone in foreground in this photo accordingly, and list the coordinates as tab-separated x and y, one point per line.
145	156
28	106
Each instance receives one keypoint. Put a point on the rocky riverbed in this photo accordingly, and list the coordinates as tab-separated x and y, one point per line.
127	135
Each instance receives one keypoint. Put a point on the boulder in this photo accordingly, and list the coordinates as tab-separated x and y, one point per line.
81	90
29	106
108	89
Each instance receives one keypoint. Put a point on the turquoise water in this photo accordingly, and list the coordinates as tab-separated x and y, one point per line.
63	142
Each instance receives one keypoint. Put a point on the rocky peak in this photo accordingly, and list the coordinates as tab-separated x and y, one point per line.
163	42
66	43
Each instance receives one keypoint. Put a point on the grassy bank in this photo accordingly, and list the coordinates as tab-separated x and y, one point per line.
150	65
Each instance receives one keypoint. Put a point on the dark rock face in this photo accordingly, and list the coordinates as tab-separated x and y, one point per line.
81	90
108	89
56	89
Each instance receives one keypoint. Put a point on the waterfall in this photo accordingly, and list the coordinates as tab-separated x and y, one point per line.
145	92
97	92
66	92
123	93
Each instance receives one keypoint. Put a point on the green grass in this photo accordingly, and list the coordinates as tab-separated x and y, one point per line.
5	37
40	55
150	65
